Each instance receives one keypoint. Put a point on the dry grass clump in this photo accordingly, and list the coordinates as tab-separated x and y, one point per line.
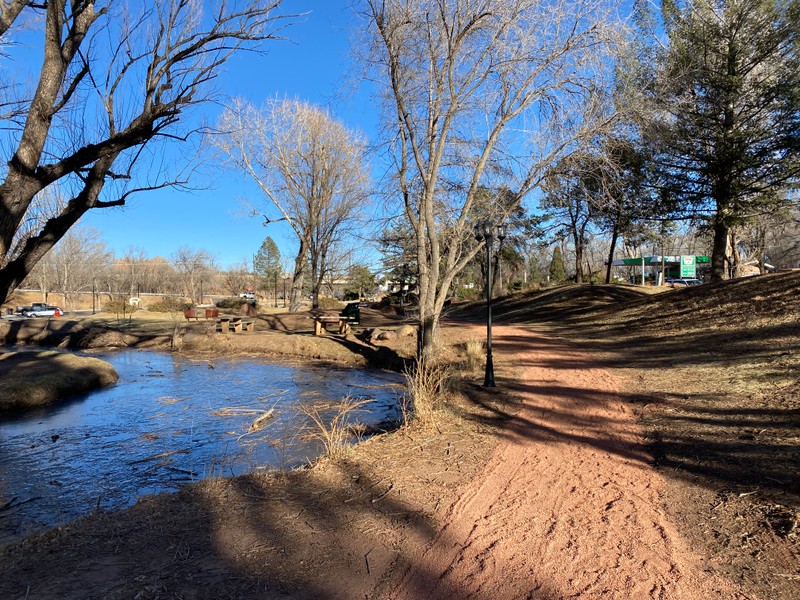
473	354
333	424
426	381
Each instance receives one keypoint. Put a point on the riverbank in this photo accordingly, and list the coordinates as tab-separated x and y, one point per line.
36	379
31	379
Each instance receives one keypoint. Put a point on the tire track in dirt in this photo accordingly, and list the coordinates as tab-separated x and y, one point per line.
568	505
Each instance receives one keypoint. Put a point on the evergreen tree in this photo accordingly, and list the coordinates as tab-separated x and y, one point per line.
558	271
723	111
267	265
360	282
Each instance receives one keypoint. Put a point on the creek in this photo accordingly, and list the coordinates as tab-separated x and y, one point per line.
171	420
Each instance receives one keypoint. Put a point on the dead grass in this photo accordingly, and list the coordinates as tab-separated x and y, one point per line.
31	379
427	384
713	374
333	424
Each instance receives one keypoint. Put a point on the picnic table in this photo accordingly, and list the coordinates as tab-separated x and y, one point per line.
321	323
226	323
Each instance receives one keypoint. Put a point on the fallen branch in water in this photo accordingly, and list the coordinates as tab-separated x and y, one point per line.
259	422
157	456
10	505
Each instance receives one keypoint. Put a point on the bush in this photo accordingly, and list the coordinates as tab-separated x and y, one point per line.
328	303
231	303
169	305
119	307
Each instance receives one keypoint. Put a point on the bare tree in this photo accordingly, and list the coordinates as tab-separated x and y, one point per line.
238	277
196	269
73	264
309	166
480	94
116	80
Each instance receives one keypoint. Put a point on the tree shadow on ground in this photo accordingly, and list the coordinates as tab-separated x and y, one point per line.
714	439
331	533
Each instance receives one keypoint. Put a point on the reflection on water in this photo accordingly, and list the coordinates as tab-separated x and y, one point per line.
168	420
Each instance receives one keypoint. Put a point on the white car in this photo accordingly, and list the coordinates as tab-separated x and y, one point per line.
44	311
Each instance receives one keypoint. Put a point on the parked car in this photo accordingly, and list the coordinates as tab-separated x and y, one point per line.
248	296
684	282
44	311
21	310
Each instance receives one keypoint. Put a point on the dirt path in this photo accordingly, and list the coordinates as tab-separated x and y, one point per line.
568	505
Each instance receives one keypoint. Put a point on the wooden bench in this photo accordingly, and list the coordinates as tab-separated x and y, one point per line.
191	313
321	323
227	323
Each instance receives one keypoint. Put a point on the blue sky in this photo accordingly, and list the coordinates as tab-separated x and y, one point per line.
311	65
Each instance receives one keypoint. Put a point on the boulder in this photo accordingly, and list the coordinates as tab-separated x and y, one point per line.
248	310
406	331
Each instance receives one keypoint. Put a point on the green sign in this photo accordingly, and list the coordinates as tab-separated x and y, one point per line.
688	267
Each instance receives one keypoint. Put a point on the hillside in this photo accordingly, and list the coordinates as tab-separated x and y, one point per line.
713	374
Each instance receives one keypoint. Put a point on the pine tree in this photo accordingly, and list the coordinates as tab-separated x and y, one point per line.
558	271
724	111
267	265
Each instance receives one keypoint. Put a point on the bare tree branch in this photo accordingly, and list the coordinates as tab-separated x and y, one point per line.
141	70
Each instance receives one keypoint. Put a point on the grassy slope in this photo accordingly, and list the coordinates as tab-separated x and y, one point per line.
713	373
31	379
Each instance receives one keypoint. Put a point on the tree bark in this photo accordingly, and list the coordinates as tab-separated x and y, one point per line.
296	294
719	251
613	247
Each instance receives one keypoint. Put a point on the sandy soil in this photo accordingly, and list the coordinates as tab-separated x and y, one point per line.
568	504
542	489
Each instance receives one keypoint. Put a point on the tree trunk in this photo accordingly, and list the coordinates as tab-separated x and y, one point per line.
578	261
296	295
719	252
614	237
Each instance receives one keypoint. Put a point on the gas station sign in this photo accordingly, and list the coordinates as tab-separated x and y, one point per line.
688	267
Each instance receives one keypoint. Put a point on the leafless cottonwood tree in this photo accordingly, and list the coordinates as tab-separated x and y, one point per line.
310	167
71	267
116	79
480	94
195	267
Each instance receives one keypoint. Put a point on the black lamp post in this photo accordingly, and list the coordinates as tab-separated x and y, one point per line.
488	232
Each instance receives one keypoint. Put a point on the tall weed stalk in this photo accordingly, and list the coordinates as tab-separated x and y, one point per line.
334	433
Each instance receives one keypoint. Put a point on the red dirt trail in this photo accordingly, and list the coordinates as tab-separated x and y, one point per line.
568	505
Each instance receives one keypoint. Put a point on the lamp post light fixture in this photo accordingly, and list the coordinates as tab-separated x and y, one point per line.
487	232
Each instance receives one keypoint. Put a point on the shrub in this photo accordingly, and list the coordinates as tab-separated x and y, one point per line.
231	303
169	305
328	303
119	307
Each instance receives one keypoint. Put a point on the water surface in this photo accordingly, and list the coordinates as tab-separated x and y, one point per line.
169	420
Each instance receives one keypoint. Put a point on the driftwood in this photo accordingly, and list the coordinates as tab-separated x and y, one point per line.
261	420
157	456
